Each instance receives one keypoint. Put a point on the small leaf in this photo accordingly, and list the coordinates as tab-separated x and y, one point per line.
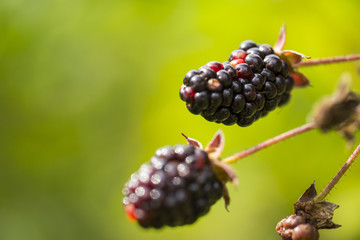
226	197
322	213
280	43
309	194
293	57
193	142
216	146
299	79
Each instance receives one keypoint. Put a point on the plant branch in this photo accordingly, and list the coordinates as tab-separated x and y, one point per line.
321	61
269	142
338	176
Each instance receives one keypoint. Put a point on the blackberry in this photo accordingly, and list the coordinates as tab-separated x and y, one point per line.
243	71
280	84
175	188
266	49
198	83
255	80
244	122
273	63
247	44
238	103
236	86
258	81
249	92
224	78
255	62
269	90
222	114
231	70
256	51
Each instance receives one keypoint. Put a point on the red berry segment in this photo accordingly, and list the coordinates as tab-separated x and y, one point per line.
186	93
216	66
252	83
237	54
175	188
130	212
244	71
236	62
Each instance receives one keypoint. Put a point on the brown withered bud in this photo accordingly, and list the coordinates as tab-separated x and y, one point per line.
310	215
340	112
317	213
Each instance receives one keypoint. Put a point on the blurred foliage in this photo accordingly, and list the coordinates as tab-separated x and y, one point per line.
89	91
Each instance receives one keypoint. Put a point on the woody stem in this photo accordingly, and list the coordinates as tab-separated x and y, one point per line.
269	142
338	176
337	59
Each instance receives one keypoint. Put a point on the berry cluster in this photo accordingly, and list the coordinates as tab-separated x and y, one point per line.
175	188
295	227
253	82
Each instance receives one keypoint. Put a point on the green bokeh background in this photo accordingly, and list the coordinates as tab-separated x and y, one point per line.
89	91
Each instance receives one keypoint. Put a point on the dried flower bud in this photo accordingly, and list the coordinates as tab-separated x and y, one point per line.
318	213
340	112
310	215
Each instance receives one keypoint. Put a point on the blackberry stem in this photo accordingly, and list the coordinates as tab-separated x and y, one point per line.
321	61
338	176
269	142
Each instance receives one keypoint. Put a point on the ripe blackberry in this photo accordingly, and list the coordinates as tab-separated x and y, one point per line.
258	74
251	81
179	184
176	187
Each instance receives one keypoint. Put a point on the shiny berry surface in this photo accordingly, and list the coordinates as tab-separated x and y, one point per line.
215	66
243	70
273	63
236	62
237	54
256	51
253	82
247	44
255	62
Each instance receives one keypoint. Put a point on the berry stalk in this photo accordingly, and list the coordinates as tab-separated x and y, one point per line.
269	142
338	176
321	61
